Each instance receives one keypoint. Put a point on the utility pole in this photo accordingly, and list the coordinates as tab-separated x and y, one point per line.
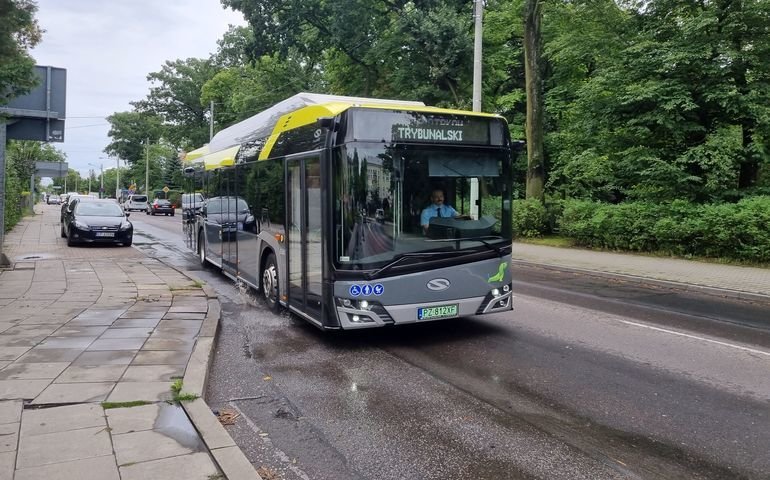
90	174
211	121
478	12
101	180
117	179
147	169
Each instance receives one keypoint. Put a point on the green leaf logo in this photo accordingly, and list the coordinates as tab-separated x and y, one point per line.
498	277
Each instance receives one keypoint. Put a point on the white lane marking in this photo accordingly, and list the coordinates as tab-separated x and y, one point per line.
674	332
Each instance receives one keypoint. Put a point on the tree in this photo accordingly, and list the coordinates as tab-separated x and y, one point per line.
172	172
22	155
175	98
129	132
674	105
535	105
19	32
409	50
234	47
240	92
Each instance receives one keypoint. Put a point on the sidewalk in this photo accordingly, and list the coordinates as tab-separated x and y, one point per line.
725	280
91	340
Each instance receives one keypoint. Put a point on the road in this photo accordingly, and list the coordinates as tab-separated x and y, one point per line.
587	378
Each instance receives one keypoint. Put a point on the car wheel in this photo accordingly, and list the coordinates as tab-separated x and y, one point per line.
63	233
201	248
70	240
172	214
129	242
270	283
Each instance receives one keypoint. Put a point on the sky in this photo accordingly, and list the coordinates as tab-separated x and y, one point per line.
108	48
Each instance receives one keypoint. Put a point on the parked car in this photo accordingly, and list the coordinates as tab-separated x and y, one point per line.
225	216
96	221
160	206
192	203
53	200
136	202
69	203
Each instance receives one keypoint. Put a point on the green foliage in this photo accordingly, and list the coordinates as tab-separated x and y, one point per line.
19	32
175	98
130	131
729	230
242	91
530	218
666	103
134	403
178	396
20	165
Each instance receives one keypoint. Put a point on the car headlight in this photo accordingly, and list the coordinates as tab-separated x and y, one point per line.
80	225
125	225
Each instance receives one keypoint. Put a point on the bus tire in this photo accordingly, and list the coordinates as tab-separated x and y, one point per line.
270	283
202	249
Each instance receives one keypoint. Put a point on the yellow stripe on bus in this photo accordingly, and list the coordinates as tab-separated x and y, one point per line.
222	158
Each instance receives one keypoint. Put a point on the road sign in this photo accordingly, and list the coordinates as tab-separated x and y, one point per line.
166	189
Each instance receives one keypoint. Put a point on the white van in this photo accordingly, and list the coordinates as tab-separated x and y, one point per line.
136	202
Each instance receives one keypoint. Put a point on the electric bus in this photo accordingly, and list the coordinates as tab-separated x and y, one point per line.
324	205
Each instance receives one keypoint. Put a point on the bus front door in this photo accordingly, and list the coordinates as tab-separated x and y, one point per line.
304	232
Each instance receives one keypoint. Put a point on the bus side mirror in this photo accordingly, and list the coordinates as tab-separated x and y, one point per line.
326	122
189	171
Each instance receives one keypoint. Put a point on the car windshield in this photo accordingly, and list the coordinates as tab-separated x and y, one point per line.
162	202
98	209
139	199
192	198
384	205
219	205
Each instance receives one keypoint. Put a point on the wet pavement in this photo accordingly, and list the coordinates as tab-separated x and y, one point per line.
91	339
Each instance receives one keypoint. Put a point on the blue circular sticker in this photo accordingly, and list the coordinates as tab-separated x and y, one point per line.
366	289
355	290
379	289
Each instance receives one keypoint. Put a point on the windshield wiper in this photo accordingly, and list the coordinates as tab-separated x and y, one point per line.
483	240
398	258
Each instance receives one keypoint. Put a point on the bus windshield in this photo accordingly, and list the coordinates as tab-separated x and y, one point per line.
396	199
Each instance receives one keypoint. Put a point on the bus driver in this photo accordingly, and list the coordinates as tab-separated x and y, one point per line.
437	209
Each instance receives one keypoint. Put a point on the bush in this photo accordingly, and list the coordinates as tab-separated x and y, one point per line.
730	230
530	218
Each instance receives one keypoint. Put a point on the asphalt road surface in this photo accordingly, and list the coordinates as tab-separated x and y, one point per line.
587	378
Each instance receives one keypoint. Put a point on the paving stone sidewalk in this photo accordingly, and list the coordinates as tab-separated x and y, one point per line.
83	326
729	280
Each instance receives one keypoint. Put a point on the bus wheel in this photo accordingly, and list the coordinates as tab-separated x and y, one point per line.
270	283
201	249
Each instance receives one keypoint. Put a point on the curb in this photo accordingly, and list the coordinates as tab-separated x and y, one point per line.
230	459
639	280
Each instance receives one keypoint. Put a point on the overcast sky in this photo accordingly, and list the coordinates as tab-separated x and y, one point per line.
109	47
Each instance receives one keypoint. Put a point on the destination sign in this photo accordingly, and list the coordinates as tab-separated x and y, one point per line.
419	127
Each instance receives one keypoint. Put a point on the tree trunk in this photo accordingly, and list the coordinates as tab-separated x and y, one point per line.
533	76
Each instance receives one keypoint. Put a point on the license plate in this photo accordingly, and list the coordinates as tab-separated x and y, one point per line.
105	234
441	311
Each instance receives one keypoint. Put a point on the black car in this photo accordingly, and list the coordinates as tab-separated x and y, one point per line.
97	221
160	206
70	202
225	216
